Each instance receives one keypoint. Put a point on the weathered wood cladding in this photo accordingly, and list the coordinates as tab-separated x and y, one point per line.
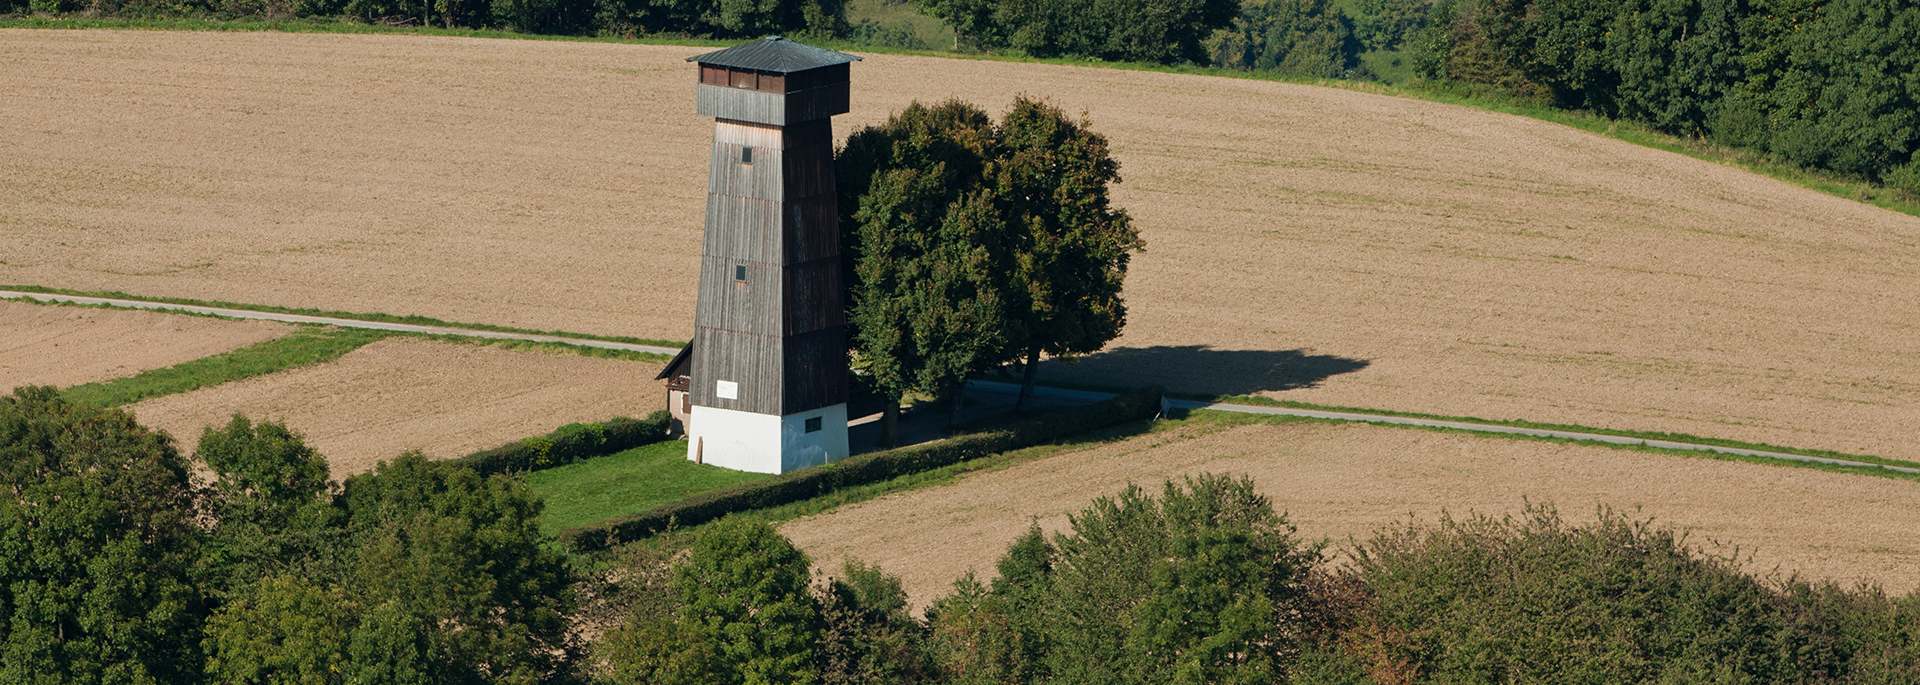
752	362
781	334
774	109
773	82
752	306
815	372
810	296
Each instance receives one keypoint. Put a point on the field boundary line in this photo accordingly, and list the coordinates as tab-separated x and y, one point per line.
333	321
1062	394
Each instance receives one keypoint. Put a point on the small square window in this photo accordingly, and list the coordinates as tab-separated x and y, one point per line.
746	155
740	273
813	425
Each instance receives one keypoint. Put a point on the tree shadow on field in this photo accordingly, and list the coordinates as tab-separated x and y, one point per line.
1202	369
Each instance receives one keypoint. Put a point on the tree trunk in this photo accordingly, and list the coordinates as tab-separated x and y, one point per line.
1026	379
890	423
954	397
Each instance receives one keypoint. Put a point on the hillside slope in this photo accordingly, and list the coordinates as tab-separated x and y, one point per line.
1304	243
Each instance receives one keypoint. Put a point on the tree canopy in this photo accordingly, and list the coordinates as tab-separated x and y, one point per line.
972	244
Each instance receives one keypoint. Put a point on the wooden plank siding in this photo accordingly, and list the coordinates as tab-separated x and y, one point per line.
781	334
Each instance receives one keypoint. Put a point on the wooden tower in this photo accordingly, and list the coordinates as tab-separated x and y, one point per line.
767	379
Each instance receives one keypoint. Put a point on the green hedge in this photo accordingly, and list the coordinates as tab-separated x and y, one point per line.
873	467
568	444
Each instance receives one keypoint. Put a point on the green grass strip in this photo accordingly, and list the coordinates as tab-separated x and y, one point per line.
309	345
1262	401
411	319
1224	418
639	479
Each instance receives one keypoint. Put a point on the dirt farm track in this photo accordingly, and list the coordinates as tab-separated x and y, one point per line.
1306	243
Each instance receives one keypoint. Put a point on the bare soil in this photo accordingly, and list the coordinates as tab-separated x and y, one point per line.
443	399
1305	243
65	346
1344	482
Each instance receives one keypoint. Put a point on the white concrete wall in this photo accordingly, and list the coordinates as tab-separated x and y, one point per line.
763	443
800	449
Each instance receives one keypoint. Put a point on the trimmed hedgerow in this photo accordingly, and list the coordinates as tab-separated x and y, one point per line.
568	444
874	467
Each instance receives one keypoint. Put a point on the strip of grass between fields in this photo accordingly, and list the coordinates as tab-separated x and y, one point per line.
1626	131
1262	401
411	319
504	343
306	346
1230	418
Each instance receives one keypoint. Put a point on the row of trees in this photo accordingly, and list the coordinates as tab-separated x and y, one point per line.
710	18
1821	84
117	567
1207	584
972	244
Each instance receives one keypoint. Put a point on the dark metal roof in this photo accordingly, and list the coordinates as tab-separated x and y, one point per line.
774	54
677	367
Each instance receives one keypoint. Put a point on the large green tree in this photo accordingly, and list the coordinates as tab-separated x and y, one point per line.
975	244
744	615
98	536
439	576
927	246
1071	244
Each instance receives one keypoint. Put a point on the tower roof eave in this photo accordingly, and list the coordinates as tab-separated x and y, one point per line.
774	54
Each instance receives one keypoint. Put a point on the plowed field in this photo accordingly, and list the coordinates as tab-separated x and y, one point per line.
1307	243
63	346
444	399
1344	482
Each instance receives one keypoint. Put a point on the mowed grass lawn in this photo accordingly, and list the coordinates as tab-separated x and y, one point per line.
623	483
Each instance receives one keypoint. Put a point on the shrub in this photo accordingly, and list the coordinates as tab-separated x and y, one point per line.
98	523
1906	179
1204	584
805	484
568	444
1534	599
744	614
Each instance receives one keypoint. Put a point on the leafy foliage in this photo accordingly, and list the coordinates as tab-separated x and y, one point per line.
975	245
1822	85
745	615
97	541
1300	37
1167	31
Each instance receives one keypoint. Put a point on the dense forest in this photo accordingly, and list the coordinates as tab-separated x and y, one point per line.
122	566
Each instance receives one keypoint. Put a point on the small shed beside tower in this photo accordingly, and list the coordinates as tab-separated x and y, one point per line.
767	378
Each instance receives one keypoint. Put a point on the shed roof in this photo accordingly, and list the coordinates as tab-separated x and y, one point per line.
774	54
680	366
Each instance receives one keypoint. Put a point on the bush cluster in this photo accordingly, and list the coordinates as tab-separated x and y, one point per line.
1206	583
118	569
568	444
862	469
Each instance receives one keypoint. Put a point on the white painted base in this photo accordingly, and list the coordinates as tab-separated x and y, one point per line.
764	443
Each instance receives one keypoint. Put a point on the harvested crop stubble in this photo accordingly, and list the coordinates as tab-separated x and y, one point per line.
1305	243
1343	482
444	399
66	346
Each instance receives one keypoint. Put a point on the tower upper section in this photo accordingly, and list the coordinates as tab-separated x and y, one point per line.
775	82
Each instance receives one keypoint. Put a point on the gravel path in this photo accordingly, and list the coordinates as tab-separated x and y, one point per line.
345	323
